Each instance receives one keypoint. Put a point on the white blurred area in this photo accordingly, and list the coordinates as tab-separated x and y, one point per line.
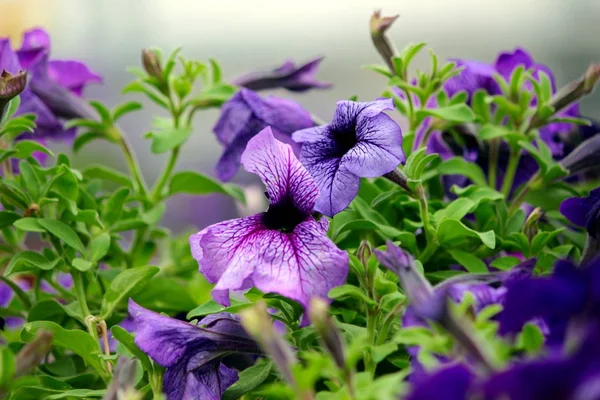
251	34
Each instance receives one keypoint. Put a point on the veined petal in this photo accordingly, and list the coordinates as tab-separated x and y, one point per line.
337	185
298	264
379	147
311	135
347	112
281	172
207	382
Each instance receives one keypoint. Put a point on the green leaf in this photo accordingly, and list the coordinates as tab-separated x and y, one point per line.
11	109
350	291
82	265
213	96
505	263
489	131
248	380
108	174
380	69
194	183
126	284
152	94
84	139
471	263
78	341
168	139
125	338
102	111
47	310
452	232
30	180
459	166
125	108
62	231
531	339
154	215
28	261
8	218
364	224
7	366
89	217
455	210
127	225
212	307
114	206
453	113
99	246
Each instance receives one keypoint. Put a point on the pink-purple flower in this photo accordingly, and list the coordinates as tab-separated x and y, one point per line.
288	76
192	354
360	142
246	114
54	88
284	250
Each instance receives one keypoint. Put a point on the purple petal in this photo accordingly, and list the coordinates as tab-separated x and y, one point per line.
36	42
379	147
281	172
475	75
164	339
6	294
347	111
580	210
184	382
448	383
73	75
297	264
311	135
507	62
8	58
337	185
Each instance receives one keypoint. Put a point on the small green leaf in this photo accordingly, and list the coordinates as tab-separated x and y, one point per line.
459	166
505	263
28	261
452	232
168	139
30	180
102	111
126	284
248	380
62	231
350	291
531	339
78	341
108	174
125	108
194	183
471	263
114	206
212	307
99	246
125	338
8	218
380	69
82	265
84	139
7	366
454	113
47	310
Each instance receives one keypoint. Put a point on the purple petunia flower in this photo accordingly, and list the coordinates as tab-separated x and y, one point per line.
288	76
584	212
246	114
54	87
192	353
360	142
450	382
283	250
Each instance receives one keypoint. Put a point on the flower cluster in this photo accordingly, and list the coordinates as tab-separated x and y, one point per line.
456	258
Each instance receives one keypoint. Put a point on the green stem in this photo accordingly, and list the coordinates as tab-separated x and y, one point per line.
165	175
370	365
424	212
133	165
493	165
511	170
80	294
521	195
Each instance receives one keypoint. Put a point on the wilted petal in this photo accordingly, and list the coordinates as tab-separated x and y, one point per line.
283	175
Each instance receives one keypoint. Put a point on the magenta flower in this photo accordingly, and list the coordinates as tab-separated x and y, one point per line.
246	114
360	142
283	250
288	76
192	353
54	87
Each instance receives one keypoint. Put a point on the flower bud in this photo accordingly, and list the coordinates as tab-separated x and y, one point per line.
151	63
33	354
123	383
530	228
364	252
10	87
258	324
331	339
584	158
378	26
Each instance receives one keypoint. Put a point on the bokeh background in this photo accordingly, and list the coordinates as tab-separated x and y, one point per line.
245	35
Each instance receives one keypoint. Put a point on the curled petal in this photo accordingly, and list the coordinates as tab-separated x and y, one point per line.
73	75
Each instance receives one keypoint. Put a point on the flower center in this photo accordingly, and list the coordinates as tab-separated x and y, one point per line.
283	216
345	139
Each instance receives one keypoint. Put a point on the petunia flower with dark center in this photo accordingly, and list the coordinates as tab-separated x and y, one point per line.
192	354
360	142
283	250
246	114
288	76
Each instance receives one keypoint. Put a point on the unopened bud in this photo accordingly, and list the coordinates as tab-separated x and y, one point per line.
33	354
378	26
584	158
530	228
331	339
257	322
399	179
151	63
364	252
31	210
123	383
10	87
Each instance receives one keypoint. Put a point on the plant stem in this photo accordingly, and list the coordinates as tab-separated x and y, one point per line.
371	322
80	292
104	330
133	165
165	175
511	170
519	198
423	208
493	165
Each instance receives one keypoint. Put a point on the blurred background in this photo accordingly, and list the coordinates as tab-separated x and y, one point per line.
245	35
